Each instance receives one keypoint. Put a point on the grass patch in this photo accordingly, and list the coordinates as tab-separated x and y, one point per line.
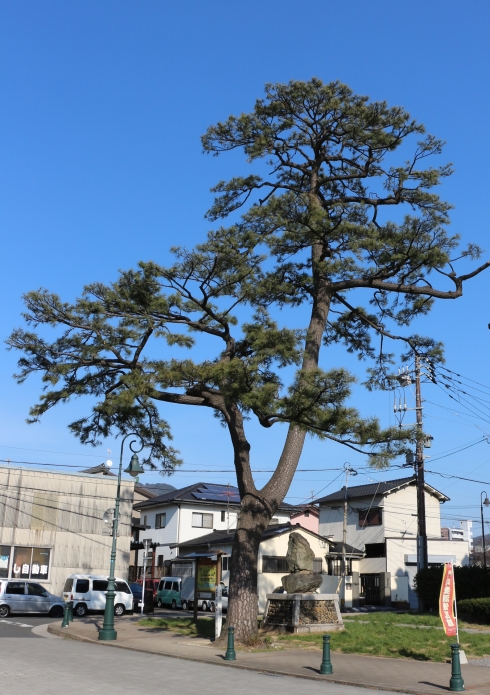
184	626
378	635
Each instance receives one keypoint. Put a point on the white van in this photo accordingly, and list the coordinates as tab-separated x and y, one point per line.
88	591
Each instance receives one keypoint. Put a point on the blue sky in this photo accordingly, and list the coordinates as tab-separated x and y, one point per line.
103	105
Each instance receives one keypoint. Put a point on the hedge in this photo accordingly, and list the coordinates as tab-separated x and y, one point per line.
471	583
475	609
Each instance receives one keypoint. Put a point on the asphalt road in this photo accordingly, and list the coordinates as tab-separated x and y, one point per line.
57	667
21	625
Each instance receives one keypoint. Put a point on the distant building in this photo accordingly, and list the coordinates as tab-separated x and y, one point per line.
463	533
307	516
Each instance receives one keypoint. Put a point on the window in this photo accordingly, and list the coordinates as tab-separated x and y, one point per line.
100	585
15	588
36	590
4	561
335	566
168	586
175	586
160	520
145	520
223	515
68	585
30	563
318	565
123	587
183	569
160	586
370	517
307	513
160	561
83	586
202	520
375	550
270	563
226	563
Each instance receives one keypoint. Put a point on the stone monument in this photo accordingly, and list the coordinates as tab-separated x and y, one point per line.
301	578
299	609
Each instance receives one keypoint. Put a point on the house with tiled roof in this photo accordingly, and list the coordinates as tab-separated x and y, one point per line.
271	563
382	522
187	514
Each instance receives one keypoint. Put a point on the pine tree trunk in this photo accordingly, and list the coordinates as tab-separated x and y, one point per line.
243	605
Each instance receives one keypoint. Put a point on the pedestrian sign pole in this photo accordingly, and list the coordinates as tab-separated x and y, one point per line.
218	607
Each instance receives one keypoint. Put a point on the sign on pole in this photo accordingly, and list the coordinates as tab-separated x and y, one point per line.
446	602
218	616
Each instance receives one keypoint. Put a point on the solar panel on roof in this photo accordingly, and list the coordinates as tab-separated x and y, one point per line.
217	488
217	496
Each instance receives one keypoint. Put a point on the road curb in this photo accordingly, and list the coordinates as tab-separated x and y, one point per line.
318	678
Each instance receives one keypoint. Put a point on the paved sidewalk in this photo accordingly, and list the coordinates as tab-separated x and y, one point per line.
402	675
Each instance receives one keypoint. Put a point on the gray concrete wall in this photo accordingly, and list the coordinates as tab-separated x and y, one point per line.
63	512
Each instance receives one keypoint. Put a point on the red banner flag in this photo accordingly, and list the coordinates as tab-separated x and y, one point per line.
446	601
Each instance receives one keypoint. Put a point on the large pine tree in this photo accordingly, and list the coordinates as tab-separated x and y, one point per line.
319	233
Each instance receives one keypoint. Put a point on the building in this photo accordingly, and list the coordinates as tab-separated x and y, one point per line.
382	522
272	564
141	493
187	514
308	516
51	525
463	533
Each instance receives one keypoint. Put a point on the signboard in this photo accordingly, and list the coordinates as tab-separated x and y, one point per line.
206	576
446	602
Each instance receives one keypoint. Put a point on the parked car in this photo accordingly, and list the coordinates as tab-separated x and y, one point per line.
88	592
150	584
28	597
137	591
170	592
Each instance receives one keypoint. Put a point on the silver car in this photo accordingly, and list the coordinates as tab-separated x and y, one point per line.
28	597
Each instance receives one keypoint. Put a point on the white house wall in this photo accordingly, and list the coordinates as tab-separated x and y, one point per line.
398	517
179	528
401	554
277	546
400	509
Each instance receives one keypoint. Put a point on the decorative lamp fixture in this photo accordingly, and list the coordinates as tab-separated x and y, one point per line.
134	467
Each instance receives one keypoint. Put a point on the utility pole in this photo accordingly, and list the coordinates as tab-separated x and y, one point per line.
348	469
422	552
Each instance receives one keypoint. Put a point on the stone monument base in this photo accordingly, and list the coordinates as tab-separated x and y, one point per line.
302	613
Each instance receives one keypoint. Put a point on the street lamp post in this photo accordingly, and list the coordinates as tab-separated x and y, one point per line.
485	502
107	633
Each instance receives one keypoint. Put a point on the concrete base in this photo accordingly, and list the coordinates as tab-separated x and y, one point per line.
302	613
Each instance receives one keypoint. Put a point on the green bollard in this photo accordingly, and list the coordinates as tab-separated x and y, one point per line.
65	622
326	667
230	652
456	684
70	611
